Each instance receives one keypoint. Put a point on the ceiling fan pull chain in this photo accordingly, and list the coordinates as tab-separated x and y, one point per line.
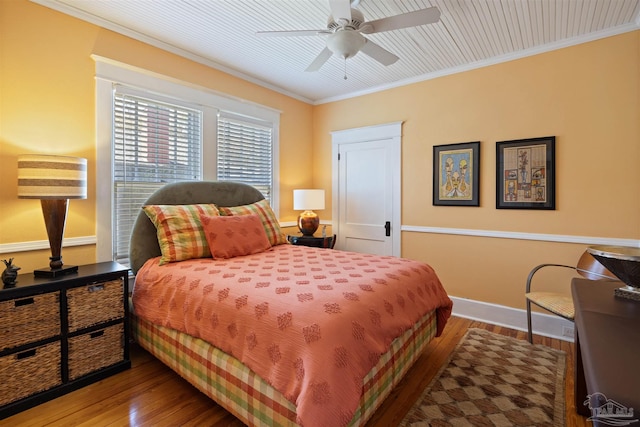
345	68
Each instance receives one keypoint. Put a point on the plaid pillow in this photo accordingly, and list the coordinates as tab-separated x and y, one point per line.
180	233
267	217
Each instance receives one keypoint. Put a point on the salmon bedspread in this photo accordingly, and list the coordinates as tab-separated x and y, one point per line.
311	322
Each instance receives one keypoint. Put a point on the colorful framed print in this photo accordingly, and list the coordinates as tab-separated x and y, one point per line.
456	174
525	174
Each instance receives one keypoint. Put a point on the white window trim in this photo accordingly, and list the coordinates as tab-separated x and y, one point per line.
110	73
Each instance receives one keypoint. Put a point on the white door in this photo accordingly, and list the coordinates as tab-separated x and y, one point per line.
366	189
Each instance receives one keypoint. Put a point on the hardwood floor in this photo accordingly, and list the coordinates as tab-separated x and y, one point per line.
150	394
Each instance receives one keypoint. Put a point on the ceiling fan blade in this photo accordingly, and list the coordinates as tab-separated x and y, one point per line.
292	33
378	53
340	9
320	60
404	20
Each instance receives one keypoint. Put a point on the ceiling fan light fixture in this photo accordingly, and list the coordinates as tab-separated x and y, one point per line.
345	43
346	26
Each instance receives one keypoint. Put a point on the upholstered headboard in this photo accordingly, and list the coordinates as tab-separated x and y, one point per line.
144	241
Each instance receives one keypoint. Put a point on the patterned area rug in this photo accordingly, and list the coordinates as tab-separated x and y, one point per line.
494	380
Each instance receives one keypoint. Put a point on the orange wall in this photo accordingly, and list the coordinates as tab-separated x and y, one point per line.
47	105
588	96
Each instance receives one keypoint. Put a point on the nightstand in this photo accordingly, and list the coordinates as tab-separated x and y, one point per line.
316	242
61	334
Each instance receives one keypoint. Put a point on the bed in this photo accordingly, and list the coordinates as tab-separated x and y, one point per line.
284	335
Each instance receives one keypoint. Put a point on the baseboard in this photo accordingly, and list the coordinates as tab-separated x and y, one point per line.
543	324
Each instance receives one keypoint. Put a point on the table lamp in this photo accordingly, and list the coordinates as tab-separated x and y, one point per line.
307	201
53	180
624	263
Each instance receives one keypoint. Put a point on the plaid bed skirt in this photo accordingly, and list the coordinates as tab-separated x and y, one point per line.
236	388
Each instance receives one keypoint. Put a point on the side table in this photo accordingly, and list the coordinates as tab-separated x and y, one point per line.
60	334
316	242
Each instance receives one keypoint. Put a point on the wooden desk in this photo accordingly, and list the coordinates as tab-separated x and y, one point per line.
607	345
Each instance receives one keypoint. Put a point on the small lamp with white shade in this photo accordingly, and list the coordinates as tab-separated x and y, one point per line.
308	200
53	180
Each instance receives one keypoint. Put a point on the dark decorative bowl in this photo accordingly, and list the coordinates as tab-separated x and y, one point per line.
622	261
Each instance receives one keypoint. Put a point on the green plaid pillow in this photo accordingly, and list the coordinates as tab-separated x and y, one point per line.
180	233
267	217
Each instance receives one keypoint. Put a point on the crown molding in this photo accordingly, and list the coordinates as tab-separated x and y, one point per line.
80	14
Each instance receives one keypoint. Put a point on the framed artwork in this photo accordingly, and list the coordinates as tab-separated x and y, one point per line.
525	174
456	174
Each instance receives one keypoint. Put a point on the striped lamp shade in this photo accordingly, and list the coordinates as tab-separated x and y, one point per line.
51	177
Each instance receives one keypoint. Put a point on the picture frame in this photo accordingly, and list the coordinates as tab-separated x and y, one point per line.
456	174
525	174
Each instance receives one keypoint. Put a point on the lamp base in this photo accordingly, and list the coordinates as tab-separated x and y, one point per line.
308	223
56	272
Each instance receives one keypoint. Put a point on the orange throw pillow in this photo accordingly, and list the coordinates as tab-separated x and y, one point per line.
232	236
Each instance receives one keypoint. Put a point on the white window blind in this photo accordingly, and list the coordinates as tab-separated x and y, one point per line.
245	152
155	143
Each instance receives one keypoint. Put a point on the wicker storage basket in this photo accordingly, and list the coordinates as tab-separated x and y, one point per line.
95	303
95	350
27	320
29	372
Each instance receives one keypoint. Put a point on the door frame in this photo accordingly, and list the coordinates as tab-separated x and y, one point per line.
388	131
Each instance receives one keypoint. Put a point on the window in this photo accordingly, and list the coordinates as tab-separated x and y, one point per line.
245	152
154	143
153	130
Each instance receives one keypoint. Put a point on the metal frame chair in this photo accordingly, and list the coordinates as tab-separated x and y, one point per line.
557	303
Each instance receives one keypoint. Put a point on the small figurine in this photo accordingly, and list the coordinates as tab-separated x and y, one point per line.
10	274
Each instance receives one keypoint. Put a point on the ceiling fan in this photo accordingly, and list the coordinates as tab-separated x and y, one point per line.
346	26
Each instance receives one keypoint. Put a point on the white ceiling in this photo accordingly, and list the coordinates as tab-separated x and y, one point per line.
470	34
